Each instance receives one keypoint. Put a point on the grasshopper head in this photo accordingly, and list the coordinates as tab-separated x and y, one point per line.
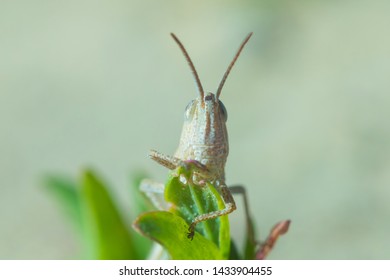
209	105
204	135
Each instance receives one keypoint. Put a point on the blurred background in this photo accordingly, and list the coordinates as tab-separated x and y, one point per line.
98	84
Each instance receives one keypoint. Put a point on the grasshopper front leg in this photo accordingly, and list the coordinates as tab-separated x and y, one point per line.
230	206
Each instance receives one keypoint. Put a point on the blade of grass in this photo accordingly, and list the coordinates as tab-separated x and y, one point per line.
66	192
107	235
138	205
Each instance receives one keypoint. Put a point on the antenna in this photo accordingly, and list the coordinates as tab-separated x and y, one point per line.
231	65
197	80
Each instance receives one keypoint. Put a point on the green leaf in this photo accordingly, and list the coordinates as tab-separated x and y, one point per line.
67	194
138	205
107	235
169	230
190	200
234	254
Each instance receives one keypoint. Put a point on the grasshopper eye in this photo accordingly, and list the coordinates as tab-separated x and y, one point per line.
223	110
188	112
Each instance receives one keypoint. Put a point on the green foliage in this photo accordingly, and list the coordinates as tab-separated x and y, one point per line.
66	192
170	230
95	215
191	200
188	201
108	236
105	234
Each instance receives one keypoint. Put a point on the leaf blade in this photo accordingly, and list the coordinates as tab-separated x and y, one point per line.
166	228
107	234
67	194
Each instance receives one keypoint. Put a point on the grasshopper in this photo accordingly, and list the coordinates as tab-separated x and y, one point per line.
203	144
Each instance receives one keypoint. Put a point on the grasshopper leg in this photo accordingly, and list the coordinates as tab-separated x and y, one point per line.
165	160
238	189
278	230
230	206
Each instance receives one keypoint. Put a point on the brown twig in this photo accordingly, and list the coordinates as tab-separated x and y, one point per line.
279	229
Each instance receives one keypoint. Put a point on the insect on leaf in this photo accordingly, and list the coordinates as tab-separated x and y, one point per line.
169	230
190	200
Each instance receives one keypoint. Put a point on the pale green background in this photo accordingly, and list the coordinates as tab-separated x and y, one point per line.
99	83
